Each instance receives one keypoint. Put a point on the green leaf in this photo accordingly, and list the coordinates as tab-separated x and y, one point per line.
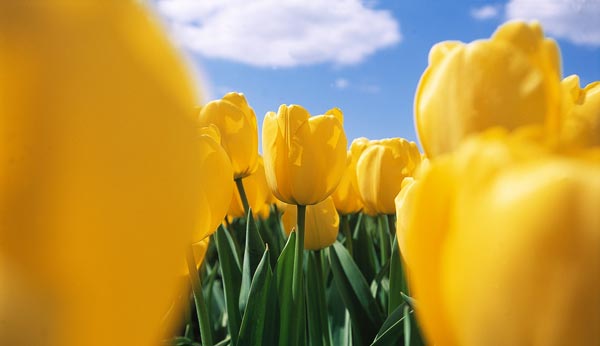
253	252
412	334
392	329
337	316
232	277
364	251
252	329
284	279
355	293
316	306
397	278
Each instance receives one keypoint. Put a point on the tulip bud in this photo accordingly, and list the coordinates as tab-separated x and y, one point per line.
99	188
321	227
239	133
380	171
346	196
258	193
304	156
580	113
509	80
501	244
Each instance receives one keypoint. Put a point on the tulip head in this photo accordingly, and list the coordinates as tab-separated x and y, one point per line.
580	113
304	156
346	196
321	223
380	170
239	132
258	193
509	80
501	244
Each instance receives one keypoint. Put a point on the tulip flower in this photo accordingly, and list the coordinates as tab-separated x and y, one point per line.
581	113
501	243
259	195
510	80
304	156
346	196
322	223
100	162
239	133
218	188
380	170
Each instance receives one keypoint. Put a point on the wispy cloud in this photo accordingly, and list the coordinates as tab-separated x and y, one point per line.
574	20
341	83
486	12
281	33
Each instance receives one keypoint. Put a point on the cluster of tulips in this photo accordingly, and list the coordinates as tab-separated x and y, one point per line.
111	182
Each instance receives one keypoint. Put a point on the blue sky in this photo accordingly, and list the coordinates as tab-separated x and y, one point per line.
365	57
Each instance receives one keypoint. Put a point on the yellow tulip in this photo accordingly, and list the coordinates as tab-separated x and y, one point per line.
258	193
501	243
218	186
510	80
100	157
346	196
321	227
304	156
239	133
380	171
581	113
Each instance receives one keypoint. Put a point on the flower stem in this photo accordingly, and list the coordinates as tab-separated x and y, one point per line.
322	300
347	233
201	309
297	282
242	192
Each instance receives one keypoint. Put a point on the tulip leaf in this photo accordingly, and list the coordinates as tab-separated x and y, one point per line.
252	328
337	316
392	329
397	278
356	295
364	254
316	307
232	277
253	252
272	237
284	279
412	334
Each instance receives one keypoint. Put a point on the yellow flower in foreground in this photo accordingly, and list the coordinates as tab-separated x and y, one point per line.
381	169
502	242
322	223
239	133
304	156
99	188
510	80
258	193
581	113
217	183
346	196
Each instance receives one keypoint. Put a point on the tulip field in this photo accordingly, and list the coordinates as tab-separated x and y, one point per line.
131	215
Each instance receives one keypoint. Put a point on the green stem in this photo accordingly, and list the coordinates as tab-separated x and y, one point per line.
322	300
297	284
201	310
242	192
347	233
384	238
391	218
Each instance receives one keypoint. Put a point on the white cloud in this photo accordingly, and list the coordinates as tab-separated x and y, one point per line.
341	83
575	20
281	33
486	12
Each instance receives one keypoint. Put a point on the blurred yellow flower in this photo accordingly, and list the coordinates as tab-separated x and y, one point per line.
380	170
304	156
509	80
501	243
100	162
346	196
258	193
321	227
239	133
580	113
